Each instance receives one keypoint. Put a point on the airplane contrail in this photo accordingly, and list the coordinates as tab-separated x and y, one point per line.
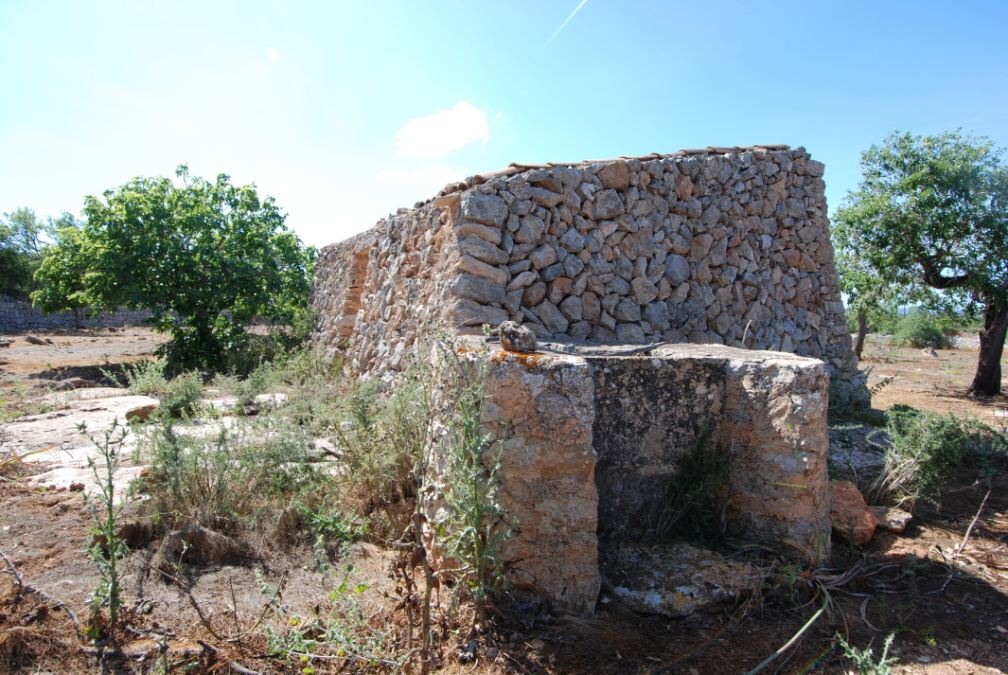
565	22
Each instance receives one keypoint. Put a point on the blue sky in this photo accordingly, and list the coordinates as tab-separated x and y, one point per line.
346	111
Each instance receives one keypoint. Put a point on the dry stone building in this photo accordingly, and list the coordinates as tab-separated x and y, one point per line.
654	285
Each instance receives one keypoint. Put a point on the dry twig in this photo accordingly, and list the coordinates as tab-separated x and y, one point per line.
23	587
962	546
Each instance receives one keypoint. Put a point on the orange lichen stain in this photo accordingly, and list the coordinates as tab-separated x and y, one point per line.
465	350
526	359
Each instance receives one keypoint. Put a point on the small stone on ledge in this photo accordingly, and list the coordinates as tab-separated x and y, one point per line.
516	338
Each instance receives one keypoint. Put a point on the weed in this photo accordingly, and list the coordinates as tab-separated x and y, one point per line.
343	634
179	397
476	526
383	436
864	659
144	378
105	508
7	412
692	503
182	396
230	479
332	525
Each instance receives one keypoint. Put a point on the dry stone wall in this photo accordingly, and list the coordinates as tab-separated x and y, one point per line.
19	315
724	245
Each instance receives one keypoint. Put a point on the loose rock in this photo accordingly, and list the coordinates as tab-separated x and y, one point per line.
850	515
516	338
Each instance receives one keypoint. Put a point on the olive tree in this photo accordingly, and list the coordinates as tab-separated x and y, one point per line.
205	258
932	212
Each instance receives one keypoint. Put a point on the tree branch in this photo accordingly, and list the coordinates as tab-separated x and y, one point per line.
934	278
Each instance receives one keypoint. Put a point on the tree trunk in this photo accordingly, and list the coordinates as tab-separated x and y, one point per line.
862	330
987	381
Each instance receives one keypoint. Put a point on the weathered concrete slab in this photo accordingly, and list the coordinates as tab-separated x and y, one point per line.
676	579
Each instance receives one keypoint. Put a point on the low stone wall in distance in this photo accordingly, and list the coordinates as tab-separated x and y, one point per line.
18	316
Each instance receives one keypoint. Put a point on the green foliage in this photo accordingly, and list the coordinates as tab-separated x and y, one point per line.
178	397
339	632
204	257
864	659
692	505
182	396
881	318
332	524
384	435
926	448
866	291
931	208
920	329
144	378
955	323
59	279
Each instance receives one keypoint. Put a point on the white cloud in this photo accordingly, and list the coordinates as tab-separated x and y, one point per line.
438	135
273	53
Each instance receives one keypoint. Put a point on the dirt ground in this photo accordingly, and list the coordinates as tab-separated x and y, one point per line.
948	609
934	380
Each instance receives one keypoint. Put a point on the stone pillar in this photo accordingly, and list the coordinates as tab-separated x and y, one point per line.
543	408
775	427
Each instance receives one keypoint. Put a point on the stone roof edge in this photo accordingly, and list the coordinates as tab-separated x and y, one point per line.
450	192
516	167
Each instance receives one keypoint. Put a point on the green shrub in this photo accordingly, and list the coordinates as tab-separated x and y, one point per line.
240	477
331	524
144	378
178	397
920	329
476	525
182	396
383	435
926	448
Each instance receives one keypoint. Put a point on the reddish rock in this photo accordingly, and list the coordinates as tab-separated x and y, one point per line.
683	187
852	518
615	175
140	413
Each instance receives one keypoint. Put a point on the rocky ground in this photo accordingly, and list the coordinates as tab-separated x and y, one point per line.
946	600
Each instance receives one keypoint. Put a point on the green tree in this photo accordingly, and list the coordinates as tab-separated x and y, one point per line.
23	238
59	279
205	258
932	213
